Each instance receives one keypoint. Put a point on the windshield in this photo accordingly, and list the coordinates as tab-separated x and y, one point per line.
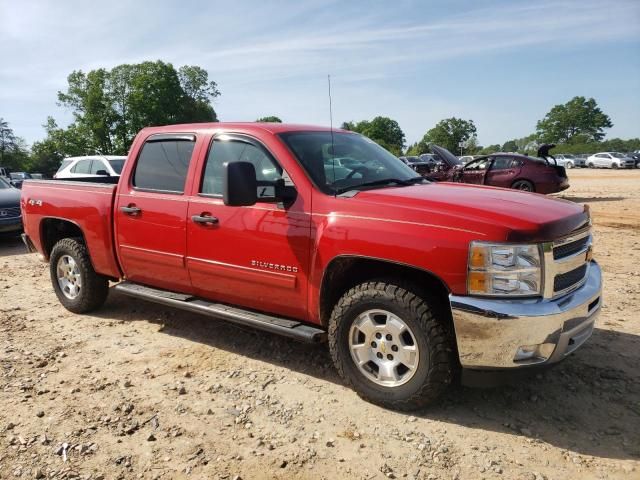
361	161
64	164
117	165
617	155
4	184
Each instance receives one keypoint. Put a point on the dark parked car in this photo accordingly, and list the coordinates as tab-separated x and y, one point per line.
507	170
418	164
10	215
18	177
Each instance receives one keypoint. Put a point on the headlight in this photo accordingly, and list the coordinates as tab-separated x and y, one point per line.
504	269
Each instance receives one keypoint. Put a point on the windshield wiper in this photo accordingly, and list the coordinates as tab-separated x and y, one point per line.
382	181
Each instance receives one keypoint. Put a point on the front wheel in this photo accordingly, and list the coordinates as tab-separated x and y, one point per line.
386	342
77	285
524	185
614	166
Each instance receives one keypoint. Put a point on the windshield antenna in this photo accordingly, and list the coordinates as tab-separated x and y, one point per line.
333	163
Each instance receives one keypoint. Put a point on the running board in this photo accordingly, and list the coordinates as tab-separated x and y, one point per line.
281	326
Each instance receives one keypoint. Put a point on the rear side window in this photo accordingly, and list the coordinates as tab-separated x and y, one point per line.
163	164
83	166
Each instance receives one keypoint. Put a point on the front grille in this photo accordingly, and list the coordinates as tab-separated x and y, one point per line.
562	251
567	280
9	212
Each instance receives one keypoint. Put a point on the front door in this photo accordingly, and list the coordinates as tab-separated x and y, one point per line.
256	256
475	171
151	214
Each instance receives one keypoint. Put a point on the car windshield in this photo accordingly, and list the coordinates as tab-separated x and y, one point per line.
363	163
63	165
4	184
617	155
117	165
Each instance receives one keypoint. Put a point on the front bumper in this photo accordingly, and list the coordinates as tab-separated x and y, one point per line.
494	333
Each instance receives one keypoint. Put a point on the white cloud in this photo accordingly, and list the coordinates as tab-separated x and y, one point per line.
273	57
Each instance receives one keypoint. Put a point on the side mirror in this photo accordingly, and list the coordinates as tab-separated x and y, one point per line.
104	173
239	187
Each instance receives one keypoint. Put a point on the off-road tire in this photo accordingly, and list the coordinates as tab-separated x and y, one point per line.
95	287
435	369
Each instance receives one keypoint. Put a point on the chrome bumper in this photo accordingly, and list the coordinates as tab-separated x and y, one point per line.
495	333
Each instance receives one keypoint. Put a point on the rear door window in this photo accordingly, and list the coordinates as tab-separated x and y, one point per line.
83	166
162	164
501	163
98	165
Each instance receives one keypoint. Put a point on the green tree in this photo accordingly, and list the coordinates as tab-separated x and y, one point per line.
449	133
111	106
14	153
490	149
269	119
510	146
382	130
47	154
577	121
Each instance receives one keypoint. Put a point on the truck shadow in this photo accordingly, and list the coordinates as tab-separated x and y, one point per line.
590	199
589	404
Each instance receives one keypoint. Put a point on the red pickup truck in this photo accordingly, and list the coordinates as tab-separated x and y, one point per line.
323	235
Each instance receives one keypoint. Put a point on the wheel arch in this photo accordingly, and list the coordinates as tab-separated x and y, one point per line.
54	229
346	271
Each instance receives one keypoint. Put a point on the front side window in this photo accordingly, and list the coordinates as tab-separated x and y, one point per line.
83	166
224	151
163	164
117	165
341	161
480	164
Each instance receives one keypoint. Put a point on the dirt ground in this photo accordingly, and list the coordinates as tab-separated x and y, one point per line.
139	391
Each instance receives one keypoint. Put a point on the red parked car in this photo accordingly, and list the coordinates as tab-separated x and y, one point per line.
507	170
258	224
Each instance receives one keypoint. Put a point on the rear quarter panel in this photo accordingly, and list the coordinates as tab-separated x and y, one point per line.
89	206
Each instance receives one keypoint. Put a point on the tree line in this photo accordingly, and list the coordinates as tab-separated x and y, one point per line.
110	106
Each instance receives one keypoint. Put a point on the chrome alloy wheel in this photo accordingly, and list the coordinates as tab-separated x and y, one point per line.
384	348
69	278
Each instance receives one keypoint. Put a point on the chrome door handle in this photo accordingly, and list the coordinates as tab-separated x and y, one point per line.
205	219
130	210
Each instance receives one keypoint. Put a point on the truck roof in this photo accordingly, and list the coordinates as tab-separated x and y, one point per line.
209	127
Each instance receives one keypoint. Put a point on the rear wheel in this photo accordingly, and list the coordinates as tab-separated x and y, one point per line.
569	164
387	344
524	185
77	285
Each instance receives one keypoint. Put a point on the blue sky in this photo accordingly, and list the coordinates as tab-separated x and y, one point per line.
503	64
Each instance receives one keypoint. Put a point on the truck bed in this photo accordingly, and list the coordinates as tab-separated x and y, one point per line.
84	202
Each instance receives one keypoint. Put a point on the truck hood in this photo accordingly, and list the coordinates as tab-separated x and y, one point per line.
9	197
497	212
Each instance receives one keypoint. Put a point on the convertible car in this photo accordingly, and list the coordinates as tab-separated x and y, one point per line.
507	170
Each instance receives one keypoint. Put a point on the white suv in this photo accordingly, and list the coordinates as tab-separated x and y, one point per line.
91	166
610	160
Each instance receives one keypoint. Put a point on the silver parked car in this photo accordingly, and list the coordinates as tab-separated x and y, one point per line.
610	160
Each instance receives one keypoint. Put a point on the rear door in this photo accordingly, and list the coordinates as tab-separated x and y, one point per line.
255	256
503	171
151	213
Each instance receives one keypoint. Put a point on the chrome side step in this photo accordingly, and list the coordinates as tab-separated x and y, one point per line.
281	326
